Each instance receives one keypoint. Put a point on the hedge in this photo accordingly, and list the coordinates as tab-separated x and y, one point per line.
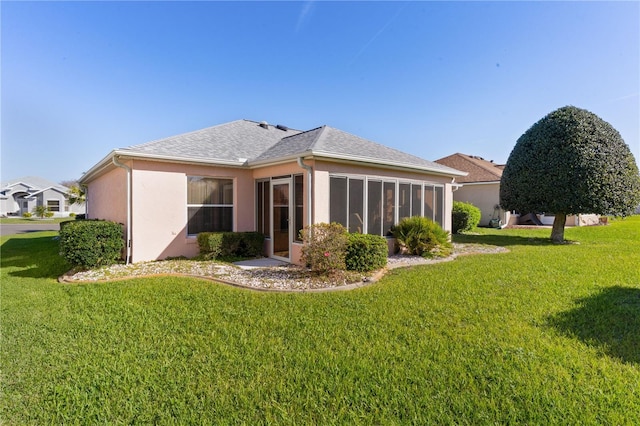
366	252
91	243
464	217
226	244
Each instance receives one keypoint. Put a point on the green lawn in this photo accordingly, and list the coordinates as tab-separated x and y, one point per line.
545	334
33	220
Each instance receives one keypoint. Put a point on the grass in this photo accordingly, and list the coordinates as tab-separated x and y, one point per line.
33	220
543	334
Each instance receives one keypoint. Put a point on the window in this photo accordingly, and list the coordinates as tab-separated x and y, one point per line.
263	207
428	201
404	201
53	205
416	200
439	205
374	207
209	205
298	201
389	207
338	200
356	206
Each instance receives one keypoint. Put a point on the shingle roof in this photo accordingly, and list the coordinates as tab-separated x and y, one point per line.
37	183
335	143
246	142
479	169
238	141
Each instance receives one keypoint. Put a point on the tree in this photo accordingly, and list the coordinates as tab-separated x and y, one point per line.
570	162
76	195
41	211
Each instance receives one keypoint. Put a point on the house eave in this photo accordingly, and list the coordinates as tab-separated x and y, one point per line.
351	159
106	162
394	165
487	182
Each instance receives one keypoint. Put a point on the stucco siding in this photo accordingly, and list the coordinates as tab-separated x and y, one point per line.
107	197
159	207
483	196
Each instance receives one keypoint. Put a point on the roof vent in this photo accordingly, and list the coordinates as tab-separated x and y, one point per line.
264	124
281	127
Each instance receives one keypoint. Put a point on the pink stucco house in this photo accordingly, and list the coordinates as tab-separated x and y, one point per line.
250	176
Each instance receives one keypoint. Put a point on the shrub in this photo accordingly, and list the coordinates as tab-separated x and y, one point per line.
252	244
464	217
91	243
227	244
72	214
26	215
324	247
366	252
40	211
48	214
423	237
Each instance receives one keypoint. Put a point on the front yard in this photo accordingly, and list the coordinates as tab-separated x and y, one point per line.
542	334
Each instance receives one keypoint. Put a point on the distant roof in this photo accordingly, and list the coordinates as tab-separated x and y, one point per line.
246	143
34	182
479	169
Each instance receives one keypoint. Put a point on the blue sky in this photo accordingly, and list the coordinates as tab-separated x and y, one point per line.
429	78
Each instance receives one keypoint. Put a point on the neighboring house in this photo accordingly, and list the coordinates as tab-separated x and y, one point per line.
250	176
19	196
481	186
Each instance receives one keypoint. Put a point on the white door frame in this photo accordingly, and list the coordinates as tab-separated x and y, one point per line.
275	182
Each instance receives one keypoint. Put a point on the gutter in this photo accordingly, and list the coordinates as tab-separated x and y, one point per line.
122	154
117	163
309	170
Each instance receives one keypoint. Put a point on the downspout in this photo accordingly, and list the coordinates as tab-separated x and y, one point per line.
309	170
116	162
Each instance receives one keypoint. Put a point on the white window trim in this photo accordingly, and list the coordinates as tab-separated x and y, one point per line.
232	205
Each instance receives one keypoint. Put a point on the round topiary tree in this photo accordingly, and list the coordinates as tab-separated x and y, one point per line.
570	162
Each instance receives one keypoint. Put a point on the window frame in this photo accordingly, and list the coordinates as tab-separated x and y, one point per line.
414	204
230	205
49	206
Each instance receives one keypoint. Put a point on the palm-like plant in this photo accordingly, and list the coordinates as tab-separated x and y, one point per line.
41	211
420	236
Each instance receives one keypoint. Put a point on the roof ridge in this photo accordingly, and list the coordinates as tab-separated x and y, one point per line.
481	163
186	133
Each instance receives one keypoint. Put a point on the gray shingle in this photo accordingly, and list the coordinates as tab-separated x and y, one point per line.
333	142
36	182
242	140
234	141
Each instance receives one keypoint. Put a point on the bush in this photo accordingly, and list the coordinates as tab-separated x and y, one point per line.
72	214
420	236
464	217
324	247
91	243
48	214
226	244
26	215
366	252
40	211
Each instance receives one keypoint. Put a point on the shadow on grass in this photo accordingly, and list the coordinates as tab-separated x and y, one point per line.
502	240
32	257
609	320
